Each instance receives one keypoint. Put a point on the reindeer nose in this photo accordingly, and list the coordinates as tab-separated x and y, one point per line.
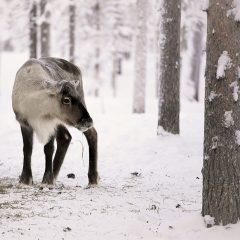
86	122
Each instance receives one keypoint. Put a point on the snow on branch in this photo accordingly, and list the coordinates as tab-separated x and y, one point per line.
235	11
224	63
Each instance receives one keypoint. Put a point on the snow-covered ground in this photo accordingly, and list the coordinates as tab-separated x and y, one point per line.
150	185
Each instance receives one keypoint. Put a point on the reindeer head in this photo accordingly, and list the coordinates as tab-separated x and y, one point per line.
71	106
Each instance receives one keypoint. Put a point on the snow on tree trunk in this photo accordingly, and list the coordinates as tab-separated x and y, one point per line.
33	30
168	107
140	58
45	29
72	16
221	162
197	57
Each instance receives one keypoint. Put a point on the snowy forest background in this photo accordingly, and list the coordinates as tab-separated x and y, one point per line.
105	37
151	180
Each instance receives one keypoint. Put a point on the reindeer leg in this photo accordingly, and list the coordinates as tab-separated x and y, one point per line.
27	135
48	150
91	136
63	138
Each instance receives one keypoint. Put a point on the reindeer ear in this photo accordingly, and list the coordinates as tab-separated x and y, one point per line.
50	86
75	83
48	83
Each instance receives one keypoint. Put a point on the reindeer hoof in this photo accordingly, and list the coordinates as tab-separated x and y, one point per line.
48	178
93	178
26	179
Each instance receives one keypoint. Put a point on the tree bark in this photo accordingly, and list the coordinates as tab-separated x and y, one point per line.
72	15
45	29
33	30
221	163
197	58
140	58
169	76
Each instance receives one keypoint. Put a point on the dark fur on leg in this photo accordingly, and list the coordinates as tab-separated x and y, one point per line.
27	135
92	139
63	138
48	174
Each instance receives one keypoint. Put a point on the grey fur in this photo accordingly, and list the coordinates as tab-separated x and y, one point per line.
48	94
35	93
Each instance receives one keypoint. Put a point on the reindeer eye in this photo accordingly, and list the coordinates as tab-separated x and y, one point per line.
66	100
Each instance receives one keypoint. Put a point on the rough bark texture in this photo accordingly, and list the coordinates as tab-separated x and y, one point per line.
33	30
168	107
221	164
45	29
197	58
72	15
140	58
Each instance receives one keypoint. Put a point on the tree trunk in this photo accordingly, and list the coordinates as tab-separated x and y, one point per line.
221	164
197	58
72	13
97	49
140	58
45	29
114	73
169	76
33	30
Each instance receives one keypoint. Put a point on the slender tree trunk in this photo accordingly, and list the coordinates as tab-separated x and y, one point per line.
221	164
33	30
72	13
45	29
114	73
140	58
97	49
169	76
197	58
157	46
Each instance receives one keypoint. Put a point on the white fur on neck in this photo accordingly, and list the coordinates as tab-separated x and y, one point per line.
44	128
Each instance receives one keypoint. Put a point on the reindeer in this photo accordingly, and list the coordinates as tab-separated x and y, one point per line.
48	96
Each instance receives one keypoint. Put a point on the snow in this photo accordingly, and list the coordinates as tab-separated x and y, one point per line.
150	185
208	220
205	5
237	135
228	119
211	96
224	63
235	87
214	144
235	11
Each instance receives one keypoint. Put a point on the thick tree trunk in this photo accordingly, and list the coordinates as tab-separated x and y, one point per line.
169	76
72	16
221	164
45	29
197	58
33	30
140	58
